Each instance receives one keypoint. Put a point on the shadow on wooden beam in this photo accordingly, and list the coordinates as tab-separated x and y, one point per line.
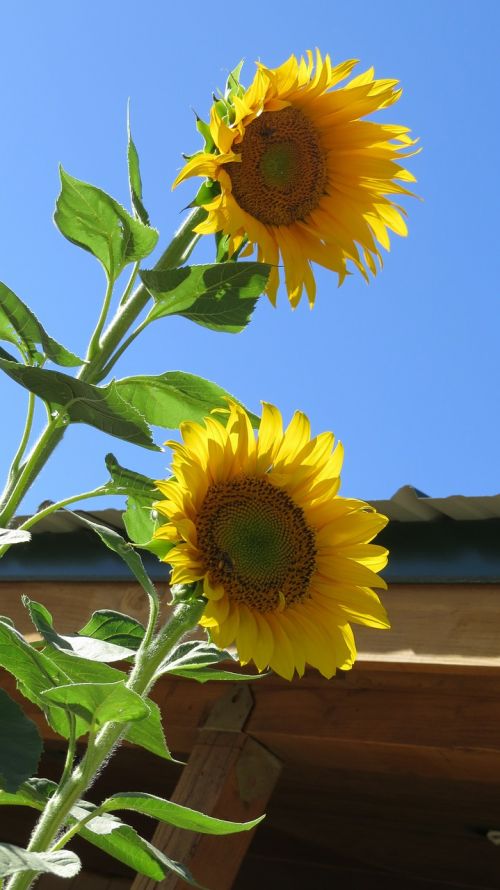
228	775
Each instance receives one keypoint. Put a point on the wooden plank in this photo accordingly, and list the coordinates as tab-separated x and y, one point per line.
456	624
435	723
437	624
229	776
72	604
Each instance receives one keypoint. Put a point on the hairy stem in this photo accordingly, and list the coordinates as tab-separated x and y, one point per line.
150	655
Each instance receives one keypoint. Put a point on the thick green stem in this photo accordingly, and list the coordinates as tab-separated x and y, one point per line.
41	451
175	255
149	657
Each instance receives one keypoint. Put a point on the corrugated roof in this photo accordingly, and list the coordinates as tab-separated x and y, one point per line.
451	540
406	505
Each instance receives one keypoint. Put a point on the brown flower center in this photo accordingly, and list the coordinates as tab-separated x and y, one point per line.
282	173
256	543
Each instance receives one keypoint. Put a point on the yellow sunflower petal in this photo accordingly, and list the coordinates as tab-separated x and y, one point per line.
302	175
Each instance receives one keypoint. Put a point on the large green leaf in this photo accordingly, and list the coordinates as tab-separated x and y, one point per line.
19	325
167	400
147	733
80	402
99	703
134	177
93	220
14	859
20	745
123	843
174	813
34	673
125	550
220	296
74	644
114	627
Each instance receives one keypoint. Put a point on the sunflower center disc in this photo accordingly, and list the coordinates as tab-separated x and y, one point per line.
256	543
282	174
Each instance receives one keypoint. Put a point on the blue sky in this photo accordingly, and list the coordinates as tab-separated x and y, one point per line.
405	371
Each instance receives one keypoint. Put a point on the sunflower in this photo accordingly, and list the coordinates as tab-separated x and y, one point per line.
293	170
284	561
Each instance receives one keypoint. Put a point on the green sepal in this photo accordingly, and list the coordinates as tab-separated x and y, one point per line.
204	129
207	192
233	85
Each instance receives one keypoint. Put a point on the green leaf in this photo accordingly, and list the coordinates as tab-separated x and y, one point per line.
128	482
99	703
220	296
139	518
114	627
73	644
147	733
169	399
134	177
34	673
123	843
20	744
19	325
11	536
174	813
34	792
196	659
13	859
125	550
79	402
93	220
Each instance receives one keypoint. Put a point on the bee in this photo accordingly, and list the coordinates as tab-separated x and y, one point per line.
225	563
266	132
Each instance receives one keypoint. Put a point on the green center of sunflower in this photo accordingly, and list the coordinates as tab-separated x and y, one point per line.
282	174
256	543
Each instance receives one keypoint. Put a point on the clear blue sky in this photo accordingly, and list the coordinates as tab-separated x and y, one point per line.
405	371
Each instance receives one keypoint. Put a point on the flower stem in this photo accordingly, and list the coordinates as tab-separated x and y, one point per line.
96	336
16	461
57	505
149	656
